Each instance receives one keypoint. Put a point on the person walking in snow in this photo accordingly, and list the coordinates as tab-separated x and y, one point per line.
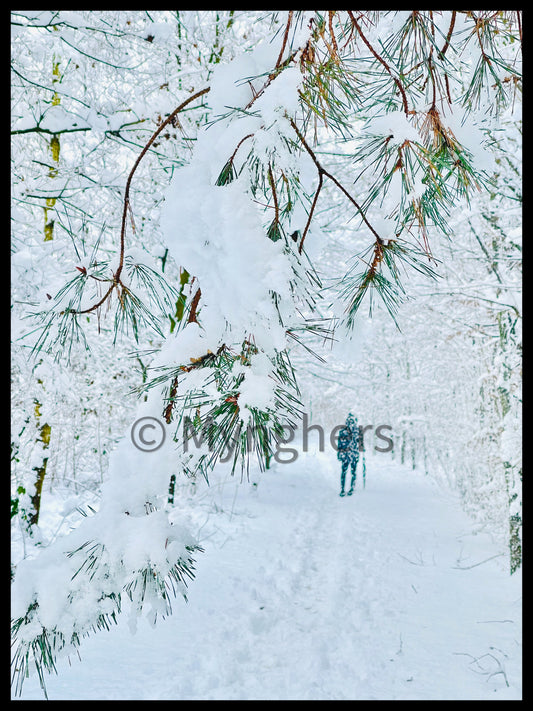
348	451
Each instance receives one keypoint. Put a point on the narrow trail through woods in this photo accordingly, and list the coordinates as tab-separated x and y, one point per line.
301	594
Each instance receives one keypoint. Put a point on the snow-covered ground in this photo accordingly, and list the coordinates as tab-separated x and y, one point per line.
301	594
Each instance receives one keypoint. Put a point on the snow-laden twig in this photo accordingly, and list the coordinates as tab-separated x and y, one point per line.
479	668
468	567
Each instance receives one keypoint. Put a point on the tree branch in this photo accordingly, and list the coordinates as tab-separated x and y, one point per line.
449	35
323	171
146	148
285	37
116	276
38	129
381	61
311	211
194	307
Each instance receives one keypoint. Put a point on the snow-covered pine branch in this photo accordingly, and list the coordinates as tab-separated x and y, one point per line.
232	211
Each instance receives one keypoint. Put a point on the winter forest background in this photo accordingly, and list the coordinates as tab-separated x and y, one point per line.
227	219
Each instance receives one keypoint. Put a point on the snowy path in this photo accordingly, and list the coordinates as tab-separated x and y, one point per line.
301	594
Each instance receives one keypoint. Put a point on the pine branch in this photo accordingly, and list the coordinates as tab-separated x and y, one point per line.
116	277
323	171
284	43
382	62
194	307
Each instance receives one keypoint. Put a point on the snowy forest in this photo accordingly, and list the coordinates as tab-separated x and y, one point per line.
229	230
